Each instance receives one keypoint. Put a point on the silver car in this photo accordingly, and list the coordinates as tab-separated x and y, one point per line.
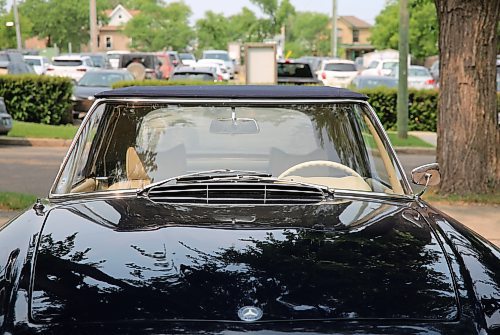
5	118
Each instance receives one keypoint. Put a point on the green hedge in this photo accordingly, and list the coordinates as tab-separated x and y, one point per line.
40	99
422	107
127	83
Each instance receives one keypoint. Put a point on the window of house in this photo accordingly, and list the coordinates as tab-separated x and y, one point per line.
109	43
355	36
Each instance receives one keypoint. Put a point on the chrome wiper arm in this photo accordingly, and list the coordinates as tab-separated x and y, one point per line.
207	175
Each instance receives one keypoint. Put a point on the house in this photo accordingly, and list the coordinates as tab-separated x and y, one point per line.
111	35
354	36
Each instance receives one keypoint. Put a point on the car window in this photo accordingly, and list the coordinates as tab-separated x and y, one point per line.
102	79
418	72
33	61
294	70
389	65
212	55
193	76
341	67
373	65
67	62
3	108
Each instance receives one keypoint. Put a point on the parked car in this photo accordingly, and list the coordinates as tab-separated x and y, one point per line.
361	82
239	210
187	59
380	67
314	61
418	77
40	64
337	72
142	65
71	66
222	55
195	73
99	60
218	64
113	57
298	73
12	62
92	83
435	70
5	118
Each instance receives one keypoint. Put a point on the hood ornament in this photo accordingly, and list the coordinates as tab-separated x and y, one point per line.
250	313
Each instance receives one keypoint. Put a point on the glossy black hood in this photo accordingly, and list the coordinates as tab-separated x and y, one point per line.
130	259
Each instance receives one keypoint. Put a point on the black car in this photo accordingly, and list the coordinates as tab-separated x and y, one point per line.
241	210
92	83
296	73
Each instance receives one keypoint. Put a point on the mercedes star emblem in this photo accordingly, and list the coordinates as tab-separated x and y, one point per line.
250	313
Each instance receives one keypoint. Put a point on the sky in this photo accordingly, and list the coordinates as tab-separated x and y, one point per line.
364	9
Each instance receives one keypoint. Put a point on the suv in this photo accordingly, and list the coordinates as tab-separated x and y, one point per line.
380	67
72	66
150	65
223	55
298	73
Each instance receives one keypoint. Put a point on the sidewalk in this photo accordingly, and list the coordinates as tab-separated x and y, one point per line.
427	136
483	219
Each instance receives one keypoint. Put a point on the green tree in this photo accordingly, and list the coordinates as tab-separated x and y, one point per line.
423	28
213	31
160	27
277	13
309	34
246	27
8	34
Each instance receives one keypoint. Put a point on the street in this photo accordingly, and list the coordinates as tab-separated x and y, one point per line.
32	169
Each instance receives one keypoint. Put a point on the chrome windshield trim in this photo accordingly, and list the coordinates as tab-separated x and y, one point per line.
371	113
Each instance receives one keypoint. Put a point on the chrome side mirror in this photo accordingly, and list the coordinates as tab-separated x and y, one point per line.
426	175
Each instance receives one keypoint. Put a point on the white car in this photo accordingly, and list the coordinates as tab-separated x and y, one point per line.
39	63
419	77
220	55
72	66
337	72
218	64
380	67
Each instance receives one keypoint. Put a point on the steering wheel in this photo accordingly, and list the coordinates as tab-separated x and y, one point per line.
331	164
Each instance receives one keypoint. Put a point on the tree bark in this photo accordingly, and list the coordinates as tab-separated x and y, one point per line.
468	146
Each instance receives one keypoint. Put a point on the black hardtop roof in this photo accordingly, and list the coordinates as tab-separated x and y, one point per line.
233	92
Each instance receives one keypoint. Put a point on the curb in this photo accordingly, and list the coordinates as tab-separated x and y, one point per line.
415	150
34	142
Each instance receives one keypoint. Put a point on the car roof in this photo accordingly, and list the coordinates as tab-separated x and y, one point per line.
233	92
192	69
338	61
70	57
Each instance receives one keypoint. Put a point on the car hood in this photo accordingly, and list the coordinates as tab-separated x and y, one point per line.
132	259
87	91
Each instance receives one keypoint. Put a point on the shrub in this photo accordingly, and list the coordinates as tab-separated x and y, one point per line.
40	99
127	83
422	109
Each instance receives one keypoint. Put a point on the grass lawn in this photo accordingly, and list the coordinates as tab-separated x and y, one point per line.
16	201
411	141
27	129
489	199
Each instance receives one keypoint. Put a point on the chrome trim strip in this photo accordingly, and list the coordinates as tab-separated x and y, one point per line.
373	117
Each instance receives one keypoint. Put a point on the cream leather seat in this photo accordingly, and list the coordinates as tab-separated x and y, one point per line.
136	173
341	183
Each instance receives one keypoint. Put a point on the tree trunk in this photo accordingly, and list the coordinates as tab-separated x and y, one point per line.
468	148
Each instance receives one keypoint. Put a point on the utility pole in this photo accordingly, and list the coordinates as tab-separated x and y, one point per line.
18	27
334	28
402	105
93	26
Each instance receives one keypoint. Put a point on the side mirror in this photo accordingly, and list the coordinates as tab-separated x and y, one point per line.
426	175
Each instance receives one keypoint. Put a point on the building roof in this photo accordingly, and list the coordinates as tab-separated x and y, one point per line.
109	12
233	92
355	22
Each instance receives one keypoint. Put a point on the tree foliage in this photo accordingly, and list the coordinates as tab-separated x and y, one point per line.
423	28
212	31
309	34
159	27
277	12
8	34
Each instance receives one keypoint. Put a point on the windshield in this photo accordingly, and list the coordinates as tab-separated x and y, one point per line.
294	70
193	76
186	56
418	72
103	79
212	55
33	61
131	145
341	67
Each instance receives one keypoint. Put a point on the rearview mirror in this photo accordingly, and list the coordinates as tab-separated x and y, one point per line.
234	126
427	175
